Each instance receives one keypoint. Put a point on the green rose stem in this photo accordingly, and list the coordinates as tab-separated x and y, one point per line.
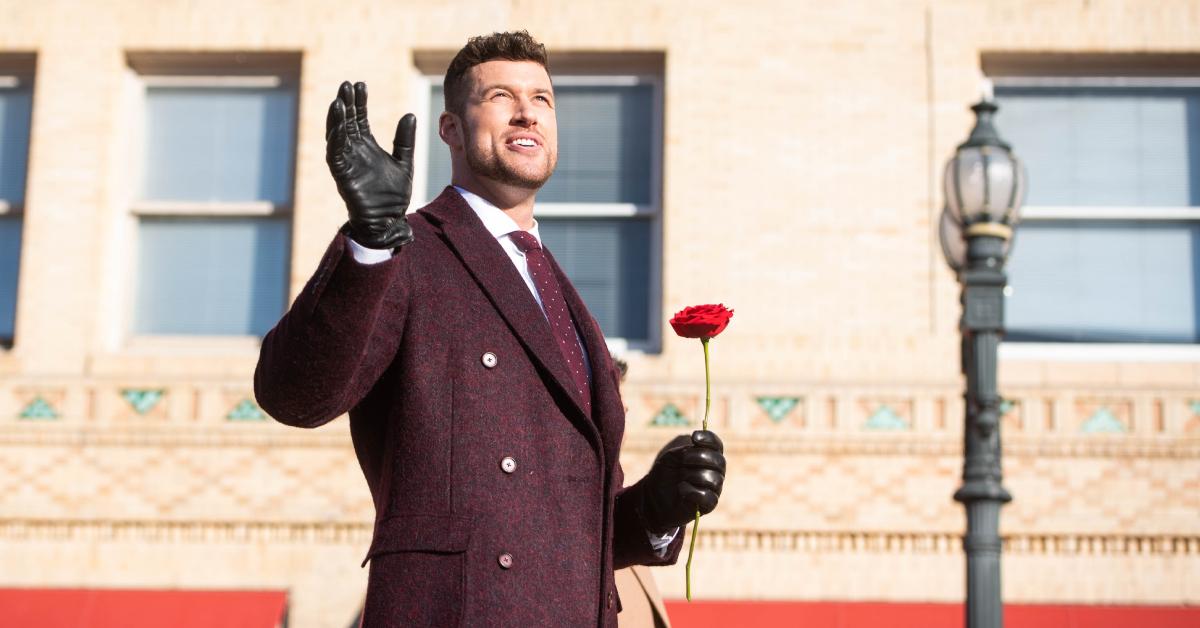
696	525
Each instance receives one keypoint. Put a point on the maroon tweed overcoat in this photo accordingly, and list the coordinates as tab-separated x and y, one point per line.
448	367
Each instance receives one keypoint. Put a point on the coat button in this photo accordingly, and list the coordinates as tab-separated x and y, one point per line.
489	360
508	464
505	560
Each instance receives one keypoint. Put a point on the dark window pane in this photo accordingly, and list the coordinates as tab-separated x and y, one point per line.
14	143
10	258
608	261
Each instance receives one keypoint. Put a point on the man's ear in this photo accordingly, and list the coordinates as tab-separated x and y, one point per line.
451	131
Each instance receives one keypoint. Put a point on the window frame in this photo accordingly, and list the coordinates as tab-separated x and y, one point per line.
1098	351
201	70
651	212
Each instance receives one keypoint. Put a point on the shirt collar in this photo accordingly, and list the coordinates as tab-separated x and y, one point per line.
498	223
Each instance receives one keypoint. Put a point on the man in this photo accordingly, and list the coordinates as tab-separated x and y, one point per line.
483	403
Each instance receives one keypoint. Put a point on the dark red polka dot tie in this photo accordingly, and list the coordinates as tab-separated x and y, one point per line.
555	309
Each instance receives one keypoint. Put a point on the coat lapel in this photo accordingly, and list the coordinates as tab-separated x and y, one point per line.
494	272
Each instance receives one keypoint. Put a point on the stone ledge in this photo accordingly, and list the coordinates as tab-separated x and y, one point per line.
909	542
796	541
891	444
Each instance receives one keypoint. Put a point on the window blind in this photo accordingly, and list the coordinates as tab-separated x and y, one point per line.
211	275
1105	281
1105	146
219	144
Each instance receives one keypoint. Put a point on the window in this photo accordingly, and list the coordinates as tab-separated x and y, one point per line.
600	214
1109	249
16	96
214	198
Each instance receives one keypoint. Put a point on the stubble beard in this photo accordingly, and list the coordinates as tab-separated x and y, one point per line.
491	166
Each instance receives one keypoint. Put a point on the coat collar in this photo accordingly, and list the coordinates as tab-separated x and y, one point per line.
487	262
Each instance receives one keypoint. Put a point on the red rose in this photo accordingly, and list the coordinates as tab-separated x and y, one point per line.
701	321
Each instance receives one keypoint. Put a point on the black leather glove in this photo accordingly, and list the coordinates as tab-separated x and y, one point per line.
687	474
376	186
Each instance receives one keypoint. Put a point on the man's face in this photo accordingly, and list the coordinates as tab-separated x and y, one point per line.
510	133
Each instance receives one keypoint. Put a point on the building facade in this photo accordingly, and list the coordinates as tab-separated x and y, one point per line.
163	195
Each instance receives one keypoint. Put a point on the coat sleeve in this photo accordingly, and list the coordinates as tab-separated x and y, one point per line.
631	543
339	336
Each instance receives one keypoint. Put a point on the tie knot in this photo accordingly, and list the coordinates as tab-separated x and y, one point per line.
525	241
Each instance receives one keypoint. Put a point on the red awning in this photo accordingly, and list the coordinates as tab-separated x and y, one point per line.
141	608
714	614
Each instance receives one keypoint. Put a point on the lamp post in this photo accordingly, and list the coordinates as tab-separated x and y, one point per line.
984	185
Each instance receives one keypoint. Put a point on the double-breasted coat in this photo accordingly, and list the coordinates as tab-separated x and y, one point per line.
499	501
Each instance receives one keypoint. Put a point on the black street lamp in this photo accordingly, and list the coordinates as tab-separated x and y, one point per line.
984	186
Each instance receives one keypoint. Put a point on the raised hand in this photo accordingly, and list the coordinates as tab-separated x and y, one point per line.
687	475
376	186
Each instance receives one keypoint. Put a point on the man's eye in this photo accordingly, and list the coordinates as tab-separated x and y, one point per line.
499	95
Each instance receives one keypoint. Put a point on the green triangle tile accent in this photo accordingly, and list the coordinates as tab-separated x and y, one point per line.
1006	406
1195	405
38	409
1102	422
777	408
142	400
246	410
885	419
669	416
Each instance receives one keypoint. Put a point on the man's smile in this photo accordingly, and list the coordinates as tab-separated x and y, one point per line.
524	143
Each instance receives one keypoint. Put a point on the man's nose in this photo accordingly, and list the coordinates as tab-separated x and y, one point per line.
525	114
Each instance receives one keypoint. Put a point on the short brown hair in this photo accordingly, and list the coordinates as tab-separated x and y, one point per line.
514	46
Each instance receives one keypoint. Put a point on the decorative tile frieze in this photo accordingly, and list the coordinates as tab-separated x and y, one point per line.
885	419
736	408
780	410
143	401
1103	421
669	416
1106	415
39	410
36	404
246	410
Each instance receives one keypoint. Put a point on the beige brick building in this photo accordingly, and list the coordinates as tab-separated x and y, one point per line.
787	162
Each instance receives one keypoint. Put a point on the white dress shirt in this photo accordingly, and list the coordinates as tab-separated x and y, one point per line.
500	224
